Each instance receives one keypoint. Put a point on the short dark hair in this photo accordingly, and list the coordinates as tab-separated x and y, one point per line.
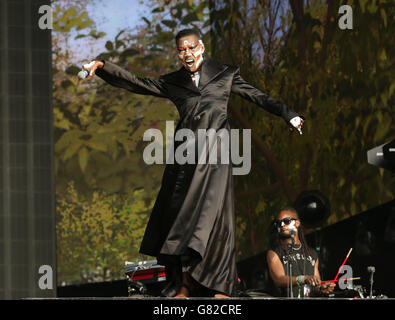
188	32
289	208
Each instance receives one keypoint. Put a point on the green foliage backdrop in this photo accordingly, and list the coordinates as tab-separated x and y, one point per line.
341	80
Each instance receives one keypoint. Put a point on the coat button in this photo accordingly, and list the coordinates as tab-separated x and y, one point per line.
197	118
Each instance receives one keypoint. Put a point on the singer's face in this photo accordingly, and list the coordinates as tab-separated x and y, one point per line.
190	52
286	219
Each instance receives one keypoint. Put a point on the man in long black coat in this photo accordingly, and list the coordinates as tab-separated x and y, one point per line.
192	226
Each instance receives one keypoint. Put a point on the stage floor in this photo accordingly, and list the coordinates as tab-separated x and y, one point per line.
145	298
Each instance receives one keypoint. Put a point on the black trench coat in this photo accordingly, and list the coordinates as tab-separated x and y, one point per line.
193	218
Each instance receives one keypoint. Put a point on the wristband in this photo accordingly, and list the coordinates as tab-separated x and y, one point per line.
300	281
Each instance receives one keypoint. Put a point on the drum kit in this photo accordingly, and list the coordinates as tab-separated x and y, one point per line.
145	278
358	291
354	291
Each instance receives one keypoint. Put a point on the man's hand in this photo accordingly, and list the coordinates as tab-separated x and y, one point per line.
92	67
296	123
312	280
326	288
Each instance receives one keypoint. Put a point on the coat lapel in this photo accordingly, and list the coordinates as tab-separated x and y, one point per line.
210	70
181	78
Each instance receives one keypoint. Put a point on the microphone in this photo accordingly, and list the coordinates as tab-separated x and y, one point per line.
83	74
292	229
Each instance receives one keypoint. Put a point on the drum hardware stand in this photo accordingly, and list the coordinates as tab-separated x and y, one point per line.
360	290
290	249
371	270
136	288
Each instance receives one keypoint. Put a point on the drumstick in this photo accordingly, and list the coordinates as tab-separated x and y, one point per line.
349	252
356	278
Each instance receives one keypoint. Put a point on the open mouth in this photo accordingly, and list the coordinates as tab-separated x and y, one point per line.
190	62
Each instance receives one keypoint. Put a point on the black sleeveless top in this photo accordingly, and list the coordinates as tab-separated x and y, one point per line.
300	265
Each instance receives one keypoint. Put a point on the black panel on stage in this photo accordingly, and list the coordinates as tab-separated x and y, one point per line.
27	206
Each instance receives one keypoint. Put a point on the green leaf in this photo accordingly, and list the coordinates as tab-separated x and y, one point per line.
383	55
391	90
83	156
119	43
96	35
158	9
66	140
73	70
170	23
200	16
109	46
128	53
382	131
147	21
96	145
119	33
189	18
63	124
80	36
383	16
158	28
84	25
67	14
176	12
71	151
103	56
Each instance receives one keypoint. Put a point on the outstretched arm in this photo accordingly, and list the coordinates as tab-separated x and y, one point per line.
247	91
121	78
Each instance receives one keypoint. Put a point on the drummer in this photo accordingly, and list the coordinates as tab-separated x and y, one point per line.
290	255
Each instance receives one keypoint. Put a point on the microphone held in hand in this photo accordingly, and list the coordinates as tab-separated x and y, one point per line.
83	74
